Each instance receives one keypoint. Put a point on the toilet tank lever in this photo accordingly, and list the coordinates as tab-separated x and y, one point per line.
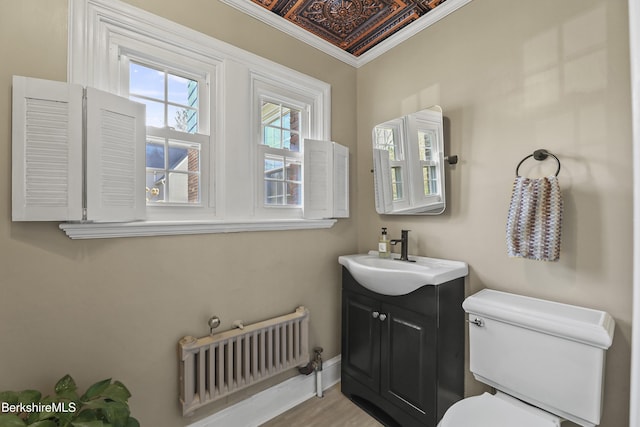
477	321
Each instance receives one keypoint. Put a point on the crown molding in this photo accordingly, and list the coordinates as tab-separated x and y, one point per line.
278	22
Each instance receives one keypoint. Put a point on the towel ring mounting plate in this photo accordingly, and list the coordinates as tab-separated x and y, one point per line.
539	155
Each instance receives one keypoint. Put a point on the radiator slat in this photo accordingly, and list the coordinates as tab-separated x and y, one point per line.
254	356
214	366
211	363
229	383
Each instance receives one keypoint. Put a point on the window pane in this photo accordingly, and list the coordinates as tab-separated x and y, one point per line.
271	137
183	119
430	178
273	193
182	91
425	145
155	153
155	186
294	120
396	183
286	139
183	188
273	168
271	114
155	112
145	81
294	194
286	118
386	140
280	126
294	170
184	157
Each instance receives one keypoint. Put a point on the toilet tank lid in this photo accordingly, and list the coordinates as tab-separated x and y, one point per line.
586	325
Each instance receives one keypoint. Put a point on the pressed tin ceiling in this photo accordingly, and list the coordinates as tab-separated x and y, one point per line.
354	31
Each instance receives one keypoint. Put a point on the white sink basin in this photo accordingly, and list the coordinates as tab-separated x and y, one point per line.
395	277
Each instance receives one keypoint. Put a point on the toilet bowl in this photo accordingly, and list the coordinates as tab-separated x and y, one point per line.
544	359
497	410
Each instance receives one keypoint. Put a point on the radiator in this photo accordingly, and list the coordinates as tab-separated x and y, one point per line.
215	366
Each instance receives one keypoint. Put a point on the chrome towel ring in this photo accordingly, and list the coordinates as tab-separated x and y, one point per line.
540	155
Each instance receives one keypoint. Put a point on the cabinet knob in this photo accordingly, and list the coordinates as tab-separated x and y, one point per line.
375	314
382	317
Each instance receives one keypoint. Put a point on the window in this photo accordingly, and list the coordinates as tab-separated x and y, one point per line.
177	89
428	154
284	117
388	137
281	154
176	138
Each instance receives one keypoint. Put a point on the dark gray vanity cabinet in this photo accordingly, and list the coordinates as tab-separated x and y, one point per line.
403	356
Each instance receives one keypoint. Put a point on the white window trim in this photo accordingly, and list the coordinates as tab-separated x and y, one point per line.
170	228
94	24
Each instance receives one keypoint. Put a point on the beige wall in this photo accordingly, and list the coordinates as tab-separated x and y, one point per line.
512	77
117	307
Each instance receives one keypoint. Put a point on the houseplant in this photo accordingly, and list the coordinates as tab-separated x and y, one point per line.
104	404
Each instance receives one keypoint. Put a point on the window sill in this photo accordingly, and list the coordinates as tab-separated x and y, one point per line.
172	228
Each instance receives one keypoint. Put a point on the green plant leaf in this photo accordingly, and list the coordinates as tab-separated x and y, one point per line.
132	422
96	390
94	404
117	413
29	396
8	420
32	418
65	418
43	416
116	391
45	423
10	397
86	415
88	424
65	384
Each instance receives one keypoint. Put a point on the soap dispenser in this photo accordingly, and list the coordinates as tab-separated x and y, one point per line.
384	249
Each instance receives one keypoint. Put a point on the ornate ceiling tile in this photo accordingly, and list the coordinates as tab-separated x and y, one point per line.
353	25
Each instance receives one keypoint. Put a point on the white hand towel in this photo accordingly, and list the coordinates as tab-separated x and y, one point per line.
535	219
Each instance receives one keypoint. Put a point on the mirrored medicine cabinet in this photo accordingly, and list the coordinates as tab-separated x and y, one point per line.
408	154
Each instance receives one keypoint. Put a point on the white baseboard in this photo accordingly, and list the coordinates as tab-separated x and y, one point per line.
272	402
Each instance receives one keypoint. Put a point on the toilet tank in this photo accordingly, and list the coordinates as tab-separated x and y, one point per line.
548	354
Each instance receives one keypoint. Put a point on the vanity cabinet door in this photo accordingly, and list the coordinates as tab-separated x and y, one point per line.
361	339
408	361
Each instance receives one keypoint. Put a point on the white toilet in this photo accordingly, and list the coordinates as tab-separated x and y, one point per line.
545	360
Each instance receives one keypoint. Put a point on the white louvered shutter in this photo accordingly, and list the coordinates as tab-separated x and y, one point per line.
382	181
340	181
115	147
46	150
326	180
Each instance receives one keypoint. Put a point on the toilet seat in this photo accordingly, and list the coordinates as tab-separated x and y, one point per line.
499	410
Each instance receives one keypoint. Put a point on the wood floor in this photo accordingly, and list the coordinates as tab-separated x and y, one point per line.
333	410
